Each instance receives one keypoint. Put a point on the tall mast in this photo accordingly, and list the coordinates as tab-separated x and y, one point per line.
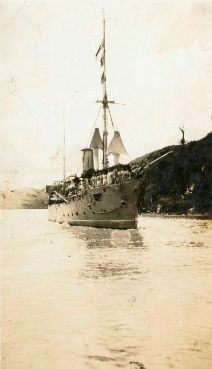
116	146
105	100
64	147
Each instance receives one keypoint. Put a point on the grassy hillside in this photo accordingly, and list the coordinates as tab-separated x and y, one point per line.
180	182
26	198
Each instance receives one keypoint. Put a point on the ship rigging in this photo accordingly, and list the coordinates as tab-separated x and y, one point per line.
116	147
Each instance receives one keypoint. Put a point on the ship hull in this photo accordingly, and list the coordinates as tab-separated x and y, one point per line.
112	206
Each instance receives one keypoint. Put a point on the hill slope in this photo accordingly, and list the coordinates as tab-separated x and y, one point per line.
27	198
180	182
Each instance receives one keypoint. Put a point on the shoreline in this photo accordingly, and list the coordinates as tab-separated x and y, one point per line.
183	216
143	215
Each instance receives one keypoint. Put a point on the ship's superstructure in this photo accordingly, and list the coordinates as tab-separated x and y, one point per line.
104	197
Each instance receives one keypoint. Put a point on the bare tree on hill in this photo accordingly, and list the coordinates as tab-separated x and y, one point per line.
182	141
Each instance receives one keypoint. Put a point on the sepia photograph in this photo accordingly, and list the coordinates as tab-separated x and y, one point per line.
106	184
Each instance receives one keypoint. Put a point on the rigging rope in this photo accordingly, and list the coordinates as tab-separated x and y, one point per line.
111	118
94	125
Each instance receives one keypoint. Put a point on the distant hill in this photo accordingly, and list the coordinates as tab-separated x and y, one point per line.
27	198
180	182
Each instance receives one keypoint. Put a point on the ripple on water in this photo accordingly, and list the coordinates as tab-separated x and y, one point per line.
81	298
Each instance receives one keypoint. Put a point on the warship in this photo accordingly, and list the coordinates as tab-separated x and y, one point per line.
101	197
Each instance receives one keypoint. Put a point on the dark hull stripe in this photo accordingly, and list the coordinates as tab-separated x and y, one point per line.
118	224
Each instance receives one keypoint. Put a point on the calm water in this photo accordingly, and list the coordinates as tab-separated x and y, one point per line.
83	298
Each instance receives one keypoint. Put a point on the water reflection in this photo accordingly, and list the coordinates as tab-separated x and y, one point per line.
99	263
106	299
106	238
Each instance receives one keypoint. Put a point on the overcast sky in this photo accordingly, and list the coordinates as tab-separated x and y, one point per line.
159	64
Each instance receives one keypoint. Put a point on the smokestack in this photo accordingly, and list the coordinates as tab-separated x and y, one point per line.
87	160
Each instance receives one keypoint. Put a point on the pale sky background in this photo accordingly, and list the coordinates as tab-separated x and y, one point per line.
159	63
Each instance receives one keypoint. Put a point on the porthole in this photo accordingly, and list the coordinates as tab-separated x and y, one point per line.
76	213
84	212
124	203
